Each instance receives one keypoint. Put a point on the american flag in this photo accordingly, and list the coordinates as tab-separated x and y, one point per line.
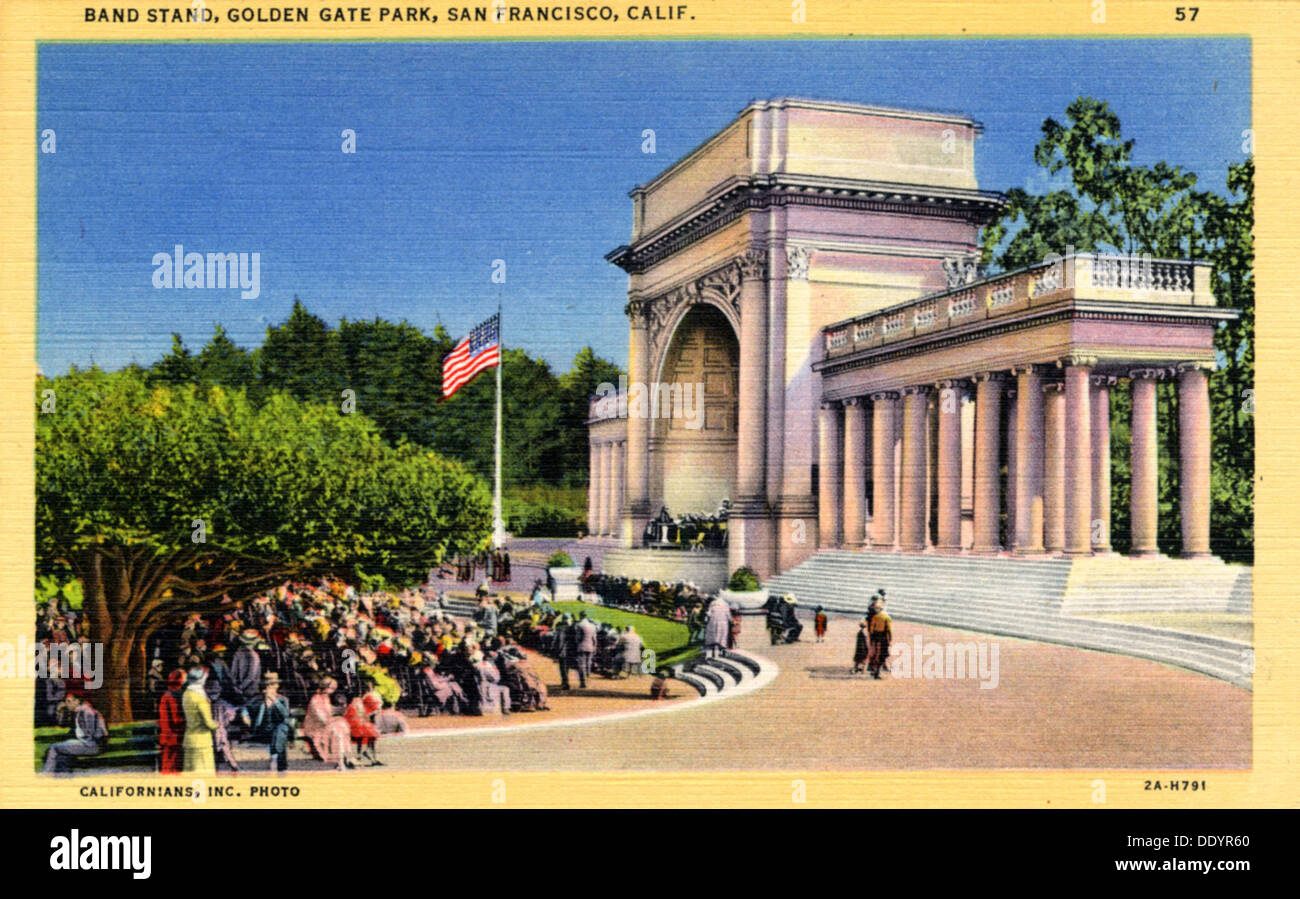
479	351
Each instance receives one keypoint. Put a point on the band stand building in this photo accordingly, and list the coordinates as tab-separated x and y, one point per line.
813	266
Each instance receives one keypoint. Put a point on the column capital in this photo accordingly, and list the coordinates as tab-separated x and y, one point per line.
1080	360
916	390
636	310
884	396
990	376
1204	366
1026	369
853	401
828	405
952	384
1103	380
1148	374
1054	387
753	264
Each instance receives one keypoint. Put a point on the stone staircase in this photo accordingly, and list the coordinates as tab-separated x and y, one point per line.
732	671
1109	584
1016	597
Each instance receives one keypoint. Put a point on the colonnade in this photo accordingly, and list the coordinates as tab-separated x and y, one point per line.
900	487
605	494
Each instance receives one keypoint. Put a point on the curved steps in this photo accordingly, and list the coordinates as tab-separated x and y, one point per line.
1018	598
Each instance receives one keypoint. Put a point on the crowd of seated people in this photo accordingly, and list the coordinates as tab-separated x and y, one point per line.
324	652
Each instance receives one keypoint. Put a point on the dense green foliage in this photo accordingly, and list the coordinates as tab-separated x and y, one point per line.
743	580
559	559
544	510
162	499
1113	205
392	374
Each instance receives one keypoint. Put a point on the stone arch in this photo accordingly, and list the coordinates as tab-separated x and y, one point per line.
693	446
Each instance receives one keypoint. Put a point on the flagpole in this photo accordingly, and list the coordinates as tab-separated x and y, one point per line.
498	526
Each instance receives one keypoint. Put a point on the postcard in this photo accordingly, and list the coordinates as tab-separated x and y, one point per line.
713	404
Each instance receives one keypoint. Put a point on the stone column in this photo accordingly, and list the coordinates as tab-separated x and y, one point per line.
948	532
912	523
637	478
988	457
1078	457
618	489
602	491
883	415
594	503
613	513
1145	465
1013	415
1054	467
1029	460
855	472
797	511
830	474
750	526
1194	457
1099	410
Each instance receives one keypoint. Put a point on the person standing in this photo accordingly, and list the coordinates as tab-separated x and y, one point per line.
564	653
717	626
171	724
733	628
198	756
819	625
882	633
584	647
862	647
628	651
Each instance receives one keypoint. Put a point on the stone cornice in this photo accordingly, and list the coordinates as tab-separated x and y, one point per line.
738	195
1031	318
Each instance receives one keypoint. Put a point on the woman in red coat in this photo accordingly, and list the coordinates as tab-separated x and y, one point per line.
171	724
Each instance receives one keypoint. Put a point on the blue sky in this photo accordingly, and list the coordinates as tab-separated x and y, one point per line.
469	152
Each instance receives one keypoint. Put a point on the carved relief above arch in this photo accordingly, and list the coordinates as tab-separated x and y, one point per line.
719	288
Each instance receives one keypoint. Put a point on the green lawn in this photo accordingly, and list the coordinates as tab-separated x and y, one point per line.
667	638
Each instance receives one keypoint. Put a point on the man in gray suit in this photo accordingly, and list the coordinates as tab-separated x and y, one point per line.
584	636
564	647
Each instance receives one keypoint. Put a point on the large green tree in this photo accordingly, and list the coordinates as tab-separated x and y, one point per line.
164	500
1114	205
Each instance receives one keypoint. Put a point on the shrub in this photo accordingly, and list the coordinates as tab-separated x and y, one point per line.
743	580
559	559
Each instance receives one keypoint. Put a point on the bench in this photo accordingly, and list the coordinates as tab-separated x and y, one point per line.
130	745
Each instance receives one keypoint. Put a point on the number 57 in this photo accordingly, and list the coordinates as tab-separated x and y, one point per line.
1180	13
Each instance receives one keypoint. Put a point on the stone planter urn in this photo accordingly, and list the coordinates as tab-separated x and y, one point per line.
748	601
564	583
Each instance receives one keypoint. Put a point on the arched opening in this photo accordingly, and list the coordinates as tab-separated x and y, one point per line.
693	442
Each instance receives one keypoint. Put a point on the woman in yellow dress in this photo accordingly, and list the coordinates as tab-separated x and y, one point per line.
199	756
